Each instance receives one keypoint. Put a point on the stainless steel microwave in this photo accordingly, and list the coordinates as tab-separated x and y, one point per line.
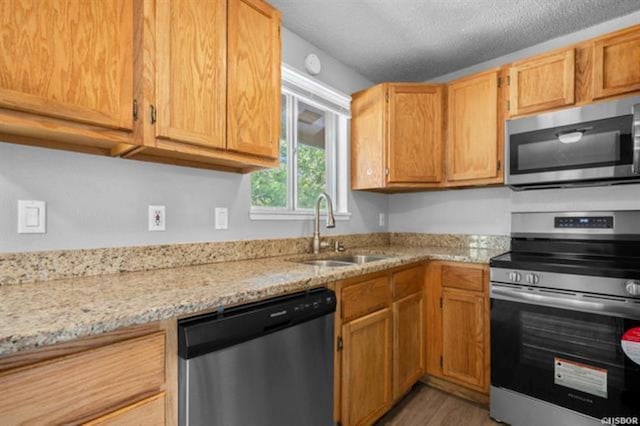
597	144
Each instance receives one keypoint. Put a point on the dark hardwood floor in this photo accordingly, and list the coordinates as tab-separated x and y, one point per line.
426	406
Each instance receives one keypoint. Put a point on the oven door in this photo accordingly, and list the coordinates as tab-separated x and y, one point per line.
567	349
574	146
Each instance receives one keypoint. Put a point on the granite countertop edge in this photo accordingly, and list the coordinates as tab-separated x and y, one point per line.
48	313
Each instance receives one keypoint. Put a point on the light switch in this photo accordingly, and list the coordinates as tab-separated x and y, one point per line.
222	218
381	220
31	217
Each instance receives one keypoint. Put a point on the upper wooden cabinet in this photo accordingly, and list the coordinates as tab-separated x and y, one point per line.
214	94
191	71
189	82
253	97
396	137
616	63
474	142
543	82
67	73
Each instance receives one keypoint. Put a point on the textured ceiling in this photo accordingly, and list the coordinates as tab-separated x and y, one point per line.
413	40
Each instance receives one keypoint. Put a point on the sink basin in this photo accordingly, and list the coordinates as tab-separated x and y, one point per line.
328	263
361	258
336	262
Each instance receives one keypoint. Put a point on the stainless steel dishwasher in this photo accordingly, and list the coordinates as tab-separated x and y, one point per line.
266	363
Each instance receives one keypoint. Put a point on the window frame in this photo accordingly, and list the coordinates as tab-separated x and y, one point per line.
298	88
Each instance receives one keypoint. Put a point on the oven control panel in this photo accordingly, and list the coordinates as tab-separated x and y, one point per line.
584	222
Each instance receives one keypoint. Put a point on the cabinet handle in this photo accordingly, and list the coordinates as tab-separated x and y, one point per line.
153	114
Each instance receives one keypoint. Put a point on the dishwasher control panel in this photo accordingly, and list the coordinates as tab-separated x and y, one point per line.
205	333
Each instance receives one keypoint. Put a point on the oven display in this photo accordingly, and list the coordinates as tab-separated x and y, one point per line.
602	222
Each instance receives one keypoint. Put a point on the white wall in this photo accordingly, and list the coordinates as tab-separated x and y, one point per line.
487	211
101	202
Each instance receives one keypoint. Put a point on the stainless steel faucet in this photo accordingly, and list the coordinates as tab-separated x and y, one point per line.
331	222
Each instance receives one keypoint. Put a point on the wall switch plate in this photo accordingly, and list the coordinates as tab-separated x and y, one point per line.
157	218
381	219
32	217
222	218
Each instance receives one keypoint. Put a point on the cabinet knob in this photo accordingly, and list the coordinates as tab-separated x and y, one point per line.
515	276
633	287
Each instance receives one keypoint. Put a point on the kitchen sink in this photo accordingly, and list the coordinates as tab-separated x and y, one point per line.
328	263
361	258
336	262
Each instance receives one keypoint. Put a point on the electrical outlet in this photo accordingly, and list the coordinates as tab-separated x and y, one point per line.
381	219
222	218
157	218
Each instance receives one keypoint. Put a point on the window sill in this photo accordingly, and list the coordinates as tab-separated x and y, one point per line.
289	215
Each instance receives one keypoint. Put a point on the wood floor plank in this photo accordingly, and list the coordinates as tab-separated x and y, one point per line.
426	406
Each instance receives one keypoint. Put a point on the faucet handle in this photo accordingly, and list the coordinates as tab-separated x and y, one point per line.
338	246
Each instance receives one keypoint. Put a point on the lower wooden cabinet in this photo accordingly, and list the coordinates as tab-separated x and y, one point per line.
366	368
463	335
380	332
125	377
457	322
408	343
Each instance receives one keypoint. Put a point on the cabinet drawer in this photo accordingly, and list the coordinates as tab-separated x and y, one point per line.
463	276
407	282
82	385
367	296
148	412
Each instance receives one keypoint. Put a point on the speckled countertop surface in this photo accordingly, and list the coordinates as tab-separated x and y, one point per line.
39	314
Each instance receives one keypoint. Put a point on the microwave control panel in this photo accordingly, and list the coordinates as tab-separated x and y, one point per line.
584	222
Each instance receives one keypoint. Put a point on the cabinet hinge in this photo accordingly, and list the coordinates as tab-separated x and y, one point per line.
499	82
441	361
386	97
339	344
386	172
499	165
508	80
153	114
441	303
508	105
135	110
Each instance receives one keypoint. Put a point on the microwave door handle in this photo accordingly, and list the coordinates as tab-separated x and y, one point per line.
570	301
635	168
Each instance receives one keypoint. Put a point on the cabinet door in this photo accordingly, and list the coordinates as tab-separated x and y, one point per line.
191	46
367	138
408	343
473	146
68	59
366	368
616	64
463	337
414	134
542	83
253	99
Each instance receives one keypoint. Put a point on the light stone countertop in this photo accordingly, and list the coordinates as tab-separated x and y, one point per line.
45	313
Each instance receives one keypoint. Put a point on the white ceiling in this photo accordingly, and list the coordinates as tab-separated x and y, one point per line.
413	40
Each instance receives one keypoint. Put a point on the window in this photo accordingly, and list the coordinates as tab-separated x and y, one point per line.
313	153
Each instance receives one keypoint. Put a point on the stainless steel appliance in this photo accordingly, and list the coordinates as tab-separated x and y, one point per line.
595	144
565	320
267	363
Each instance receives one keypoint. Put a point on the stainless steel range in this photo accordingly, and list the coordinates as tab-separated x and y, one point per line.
565	320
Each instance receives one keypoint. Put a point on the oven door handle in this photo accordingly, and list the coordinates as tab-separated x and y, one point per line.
635	168
570	301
